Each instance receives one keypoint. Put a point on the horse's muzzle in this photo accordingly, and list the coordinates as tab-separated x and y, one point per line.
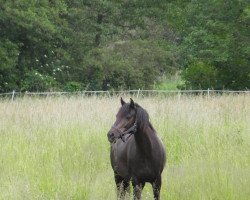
111	137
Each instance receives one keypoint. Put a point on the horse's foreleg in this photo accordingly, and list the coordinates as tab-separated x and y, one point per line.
157	188
126	188
137	188
122	186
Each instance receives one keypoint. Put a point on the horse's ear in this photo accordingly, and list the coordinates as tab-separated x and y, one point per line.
132	103
122	101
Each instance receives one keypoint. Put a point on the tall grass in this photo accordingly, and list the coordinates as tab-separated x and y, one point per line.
56	148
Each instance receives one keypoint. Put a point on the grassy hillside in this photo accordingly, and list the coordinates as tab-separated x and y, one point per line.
56	148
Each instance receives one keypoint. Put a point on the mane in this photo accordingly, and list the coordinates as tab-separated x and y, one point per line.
142	118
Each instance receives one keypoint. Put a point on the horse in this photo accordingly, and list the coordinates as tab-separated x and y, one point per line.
137	154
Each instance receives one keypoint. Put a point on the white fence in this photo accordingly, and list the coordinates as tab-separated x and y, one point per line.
136	93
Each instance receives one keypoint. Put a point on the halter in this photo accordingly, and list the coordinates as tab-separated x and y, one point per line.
132	130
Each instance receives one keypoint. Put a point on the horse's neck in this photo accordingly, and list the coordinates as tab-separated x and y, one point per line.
143	140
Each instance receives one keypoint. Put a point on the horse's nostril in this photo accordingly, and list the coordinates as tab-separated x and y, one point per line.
111	134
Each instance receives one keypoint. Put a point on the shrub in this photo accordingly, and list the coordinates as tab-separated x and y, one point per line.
199	75
34	81
73	86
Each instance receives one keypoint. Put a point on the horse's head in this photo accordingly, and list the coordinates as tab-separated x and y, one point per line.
125	121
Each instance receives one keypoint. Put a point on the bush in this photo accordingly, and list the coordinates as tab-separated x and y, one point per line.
73	86
128	65
34	81
199	75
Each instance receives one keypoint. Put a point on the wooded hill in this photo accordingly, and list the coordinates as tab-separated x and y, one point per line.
123	44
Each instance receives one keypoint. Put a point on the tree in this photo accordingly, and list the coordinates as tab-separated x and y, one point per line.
216	32
96	44
34	28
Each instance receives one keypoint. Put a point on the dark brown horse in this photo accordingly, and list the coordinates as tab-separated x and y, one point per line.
137	154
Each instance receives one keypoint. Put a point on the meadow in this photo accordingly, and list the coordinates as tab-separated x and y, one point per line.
57	147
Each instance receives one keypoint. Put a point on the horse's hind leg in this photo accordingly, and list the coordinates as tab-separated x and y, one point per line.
122	186
157	188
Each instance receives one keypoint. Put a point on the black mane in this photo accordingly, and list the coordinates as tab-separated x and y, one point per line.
142	118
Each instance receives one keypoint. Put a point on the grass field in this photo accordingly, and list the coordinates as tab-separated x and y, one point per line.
57	148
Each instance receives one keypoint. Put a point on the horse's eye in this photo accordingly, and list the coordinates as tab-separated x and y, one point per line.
128	116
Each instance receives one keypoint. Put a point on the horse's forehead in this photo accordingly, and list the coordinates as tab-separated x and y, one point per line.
125	109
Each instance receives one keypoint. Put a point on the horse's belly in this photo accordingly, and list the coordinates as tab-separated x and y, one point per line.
145	172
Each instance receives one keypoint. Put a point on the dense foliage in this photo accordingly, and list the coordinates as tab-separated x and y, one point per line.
103	45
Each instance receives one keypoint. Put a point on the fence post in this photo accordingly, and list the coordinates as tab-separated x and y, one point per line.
108	94
138	93
13	95
208	91
179	95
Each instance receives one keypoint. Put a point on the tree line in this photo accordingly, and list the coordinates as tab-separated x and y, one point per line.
75	45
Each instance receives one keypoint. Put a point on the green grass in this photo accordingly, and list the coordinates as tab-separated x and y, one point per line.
56	148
